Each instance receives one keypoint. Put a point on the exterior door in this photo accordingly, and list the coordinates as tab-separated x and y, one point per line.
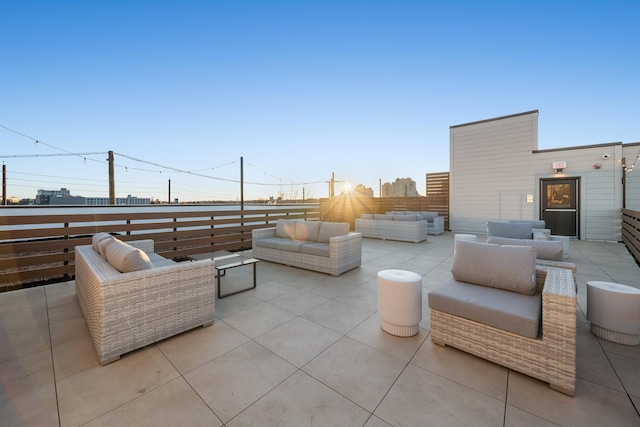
559	205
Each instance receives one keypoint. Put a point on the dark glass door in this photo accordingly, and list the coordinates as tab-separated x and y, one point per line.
559	205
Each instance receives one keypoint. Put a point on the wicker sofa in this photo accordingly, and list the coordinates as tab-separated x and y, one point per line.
435	223
501	307
125	311
527	229
326	247
406	228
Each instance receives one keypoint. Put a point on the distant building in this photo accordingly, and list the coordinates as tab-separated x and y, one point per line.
129	200
362	191
64	197
401	187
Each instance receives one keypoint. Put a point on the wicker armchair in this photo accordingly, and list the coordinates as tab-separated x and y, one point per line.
551	357
126	311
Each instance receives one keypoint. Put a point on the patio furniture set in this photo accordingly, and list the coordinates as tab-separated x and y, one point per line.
504	302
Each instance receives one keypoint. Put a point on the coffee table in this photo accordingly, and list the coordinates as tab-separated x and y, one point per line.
222	263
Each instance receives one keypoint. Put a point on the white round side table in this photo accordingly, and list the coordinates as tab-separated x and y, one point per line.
614	312
399	302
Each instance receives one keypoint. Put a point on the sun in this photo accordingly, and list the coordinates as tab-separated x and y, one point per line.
347	187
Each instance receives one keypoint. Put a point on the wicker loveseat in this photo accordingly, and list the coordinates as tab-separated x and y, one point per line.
501	307
326	247
125	311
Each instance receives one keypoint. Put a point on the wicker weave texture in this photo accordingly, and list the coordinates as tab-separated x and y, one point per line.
406	231
550	358
345	253
126	311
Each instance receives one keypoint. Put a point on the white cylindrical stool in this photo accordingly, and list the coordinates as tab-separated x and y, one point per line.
399	302
614	312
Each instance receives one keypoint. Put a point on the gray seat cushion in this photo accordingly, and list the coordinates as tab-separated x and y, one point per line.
280	243
509	311
320	249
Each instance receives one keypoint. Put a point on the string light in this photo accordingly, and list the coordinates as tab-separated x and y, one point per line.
35	144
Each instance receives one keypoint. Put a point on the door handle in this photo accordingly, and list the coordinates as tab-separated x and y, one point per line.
560	210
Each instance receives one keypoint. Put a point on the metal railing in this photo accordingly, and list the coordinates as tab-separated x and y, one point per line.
631	232
39	248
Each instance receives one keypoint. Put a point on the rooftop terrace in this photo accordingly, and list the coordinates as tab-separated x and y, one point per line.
305	349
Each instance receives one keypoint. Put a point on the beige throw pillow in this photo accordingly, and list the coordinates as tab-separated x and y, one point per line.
125	258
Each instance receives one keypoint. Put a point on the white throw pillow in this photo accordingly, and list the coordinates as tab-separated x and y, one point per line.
125	258
95	240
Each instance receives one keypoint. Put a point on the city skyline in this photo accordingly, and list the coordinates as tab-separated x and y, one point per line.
364	90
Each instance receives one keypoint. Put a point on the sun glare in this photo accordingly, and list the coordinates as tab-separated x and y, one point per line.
347	187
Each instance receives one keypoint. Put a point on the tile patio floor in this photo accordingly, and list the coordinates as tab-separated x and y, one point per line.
305	349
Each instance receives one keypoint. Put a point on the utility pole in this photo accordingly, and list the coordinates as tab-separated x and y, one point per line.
112	181
169	200
241	183
4	184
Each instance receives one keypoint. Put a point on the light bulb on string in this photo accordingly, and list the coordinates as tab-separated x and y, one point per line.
85	160
35	144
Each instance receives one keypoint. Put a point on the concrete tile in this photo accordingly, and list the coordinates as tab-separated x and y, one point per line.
374	421
198	346
298	302
73	357
360	297
94	392
420	397
301	400
232	382
23	343
369	332
21	375
515	417
34	407
592	405
337	316
463	368
68	330
171	404
298	341
360	373
628	369
258	319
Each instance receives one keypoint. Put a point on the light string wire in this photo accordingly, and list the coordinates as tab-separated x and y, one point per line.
170	168
633	165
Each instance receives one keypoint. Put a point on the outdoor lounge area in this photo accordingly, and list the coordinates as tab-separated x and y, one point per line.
306	348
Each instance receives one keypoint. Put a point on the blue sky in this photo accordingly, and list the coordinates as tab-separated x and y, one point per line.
299	89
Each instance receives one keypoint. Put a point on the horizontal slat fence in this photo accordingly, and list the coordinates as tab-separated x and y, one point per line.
37	249
631	232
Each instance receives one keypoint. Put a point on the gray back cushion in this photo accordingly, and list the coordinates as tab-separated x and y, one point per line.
286	228
545	249
367	216
405	217
535	223
511	268
332	229
387	217
514	230
307	230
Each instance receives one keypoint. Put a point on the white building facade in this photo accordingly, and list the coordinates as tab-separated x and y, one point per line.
497	173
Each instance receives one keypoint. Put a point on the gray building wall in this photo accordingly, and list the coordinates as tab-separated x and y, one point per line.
496	169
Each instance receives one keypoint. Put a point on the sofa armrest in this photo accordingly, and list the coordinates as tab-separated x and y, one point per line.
438	221
261	233
559	325
341	245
